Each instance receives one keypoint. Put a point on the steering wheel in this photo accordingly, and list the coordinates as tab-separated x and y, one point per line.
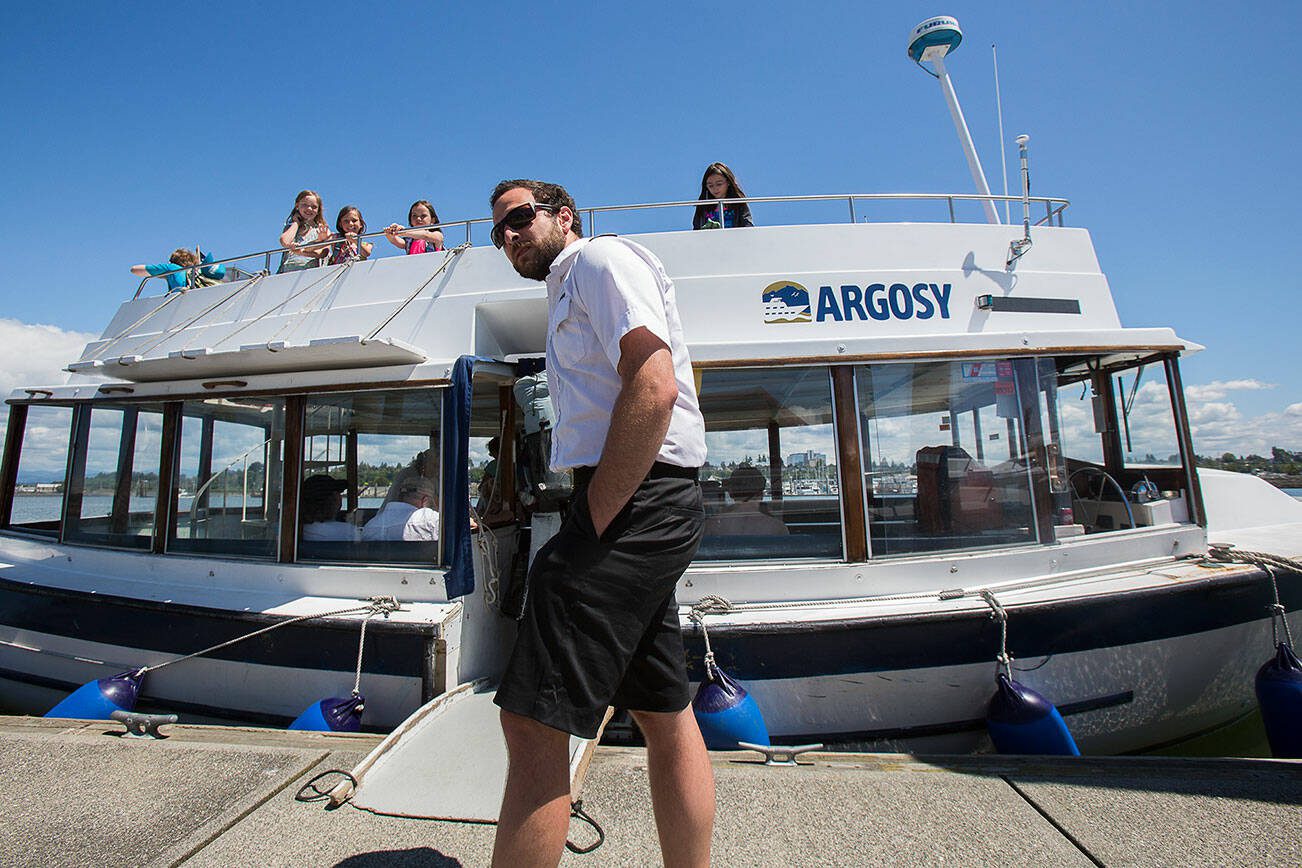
1107	477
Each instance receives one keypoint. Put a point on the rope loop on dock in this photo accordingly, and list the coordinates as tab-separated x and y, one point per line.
310	792
577	813
381	605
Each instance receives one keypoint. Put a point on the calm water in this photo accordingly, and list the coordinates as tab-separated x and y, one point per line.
43	507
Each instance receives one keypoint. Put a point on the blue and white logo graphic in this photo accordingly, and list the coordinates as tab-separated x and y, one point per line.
785	301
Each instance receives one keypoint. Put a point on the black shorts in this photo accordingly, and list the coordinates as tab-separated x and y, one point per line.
600	625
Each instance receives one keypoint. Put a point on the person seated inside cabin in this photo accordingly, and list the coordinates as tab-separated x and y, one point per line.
321	502
718	182
425	465
746	516
177	270
409	518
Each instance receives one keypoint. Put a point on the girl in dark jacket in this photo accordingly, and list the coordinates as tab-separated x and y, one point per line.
718	182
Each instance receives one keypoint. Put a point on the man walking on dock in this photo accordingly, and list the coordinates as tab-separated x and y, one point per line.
600	627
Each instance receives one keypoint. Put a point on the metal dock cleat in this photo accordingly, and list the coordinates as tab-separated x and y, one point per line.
781	754
143	725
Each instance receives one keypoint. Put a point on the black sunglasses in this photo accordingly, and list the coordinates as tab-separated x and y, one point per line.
517	218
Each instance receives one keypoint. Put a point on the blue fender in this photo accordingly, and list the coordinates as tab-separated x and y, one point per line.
726	713
1021	721
333	714
1279	693
97	700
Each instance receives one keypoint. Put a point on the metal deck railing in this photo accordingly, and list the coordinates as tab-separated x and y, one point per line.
1053	211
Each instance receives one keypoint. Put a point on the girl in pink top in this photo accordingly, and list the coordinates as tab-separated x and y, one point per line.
416	240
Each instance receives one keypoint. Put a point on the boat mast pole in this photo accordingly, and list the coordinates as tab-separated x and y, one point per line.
965	138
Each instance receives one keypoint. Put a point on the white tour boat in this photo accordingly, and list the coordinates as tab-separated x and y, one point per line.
956	434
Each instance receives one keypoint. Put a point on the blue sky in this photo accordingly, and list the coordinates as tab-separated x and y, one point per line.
134	129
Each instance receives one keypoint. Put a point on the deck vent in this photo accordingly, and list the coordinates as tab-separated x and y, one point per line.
1004	304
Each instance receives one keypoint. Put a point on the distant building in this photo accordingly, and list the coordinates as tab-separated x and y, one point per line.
807	459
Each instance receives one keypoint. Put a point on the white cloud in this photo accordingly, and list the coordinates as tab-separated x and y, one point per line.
1219	426
1217	390
34	355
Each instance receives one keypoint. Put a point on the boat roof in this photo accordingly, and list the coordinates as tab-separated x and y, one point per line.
768	295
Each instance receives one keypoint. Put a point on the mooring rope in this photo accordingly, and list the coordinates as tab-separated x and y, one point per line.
376	609
1000	614
374	606
1226	553
710	604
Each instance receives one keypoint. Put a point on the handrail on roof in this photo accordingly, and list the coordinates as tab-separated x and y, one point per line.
1053	210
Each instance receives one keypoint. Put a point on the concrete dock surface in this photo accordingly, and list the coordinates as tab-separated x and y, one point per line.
77	793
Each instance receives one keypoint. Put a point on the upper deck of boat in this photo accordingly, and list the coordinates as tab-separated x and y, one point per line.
794	292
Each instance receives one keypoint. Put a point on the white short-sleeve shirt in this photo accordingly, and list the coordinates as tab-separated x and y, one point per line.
402	521
600	289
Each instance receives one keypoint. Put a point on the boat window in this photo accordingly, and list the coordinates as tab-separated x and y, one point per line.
228	484
946	458
370	488
1148	433
113	487
1090	415
42	466
770	484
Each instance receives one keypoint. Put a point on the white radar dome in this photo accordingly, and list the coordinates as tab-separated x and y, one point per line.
933	38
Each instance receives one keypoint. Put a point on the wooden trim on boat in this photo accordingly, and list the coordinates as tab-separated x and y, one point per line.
932	355
295	409
1037	450
846	416
9	461
120	517
350	469
1154	359
1187	457
505	449
1113	458
74	483
168	460
307	391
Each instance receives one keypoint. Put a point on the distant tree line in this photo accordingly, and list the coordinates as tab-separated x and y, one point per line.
1281	461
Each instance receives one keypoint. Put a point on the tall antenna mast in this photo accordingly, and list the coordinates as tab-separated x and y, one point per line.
930	42
999	110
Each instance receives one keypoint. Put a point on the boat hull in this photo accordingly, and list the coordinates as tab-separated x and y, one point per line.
52	640
1129	671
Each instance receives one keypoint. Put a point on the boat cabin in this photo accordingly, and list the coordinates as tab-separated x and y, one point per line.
874	393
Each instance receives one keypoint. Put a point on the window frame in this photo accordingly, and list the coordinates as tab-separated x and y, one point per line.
290	527
75	472
776	471
15	433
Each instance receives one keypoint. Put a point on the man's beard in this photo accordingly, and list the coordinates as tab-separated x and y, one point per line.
534	261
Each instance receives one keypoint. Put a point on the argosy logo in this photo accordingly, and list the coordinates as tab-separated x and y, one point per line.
787	302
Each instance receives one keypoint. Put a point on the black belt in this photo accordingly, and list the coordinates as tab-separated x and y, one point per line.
659	470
